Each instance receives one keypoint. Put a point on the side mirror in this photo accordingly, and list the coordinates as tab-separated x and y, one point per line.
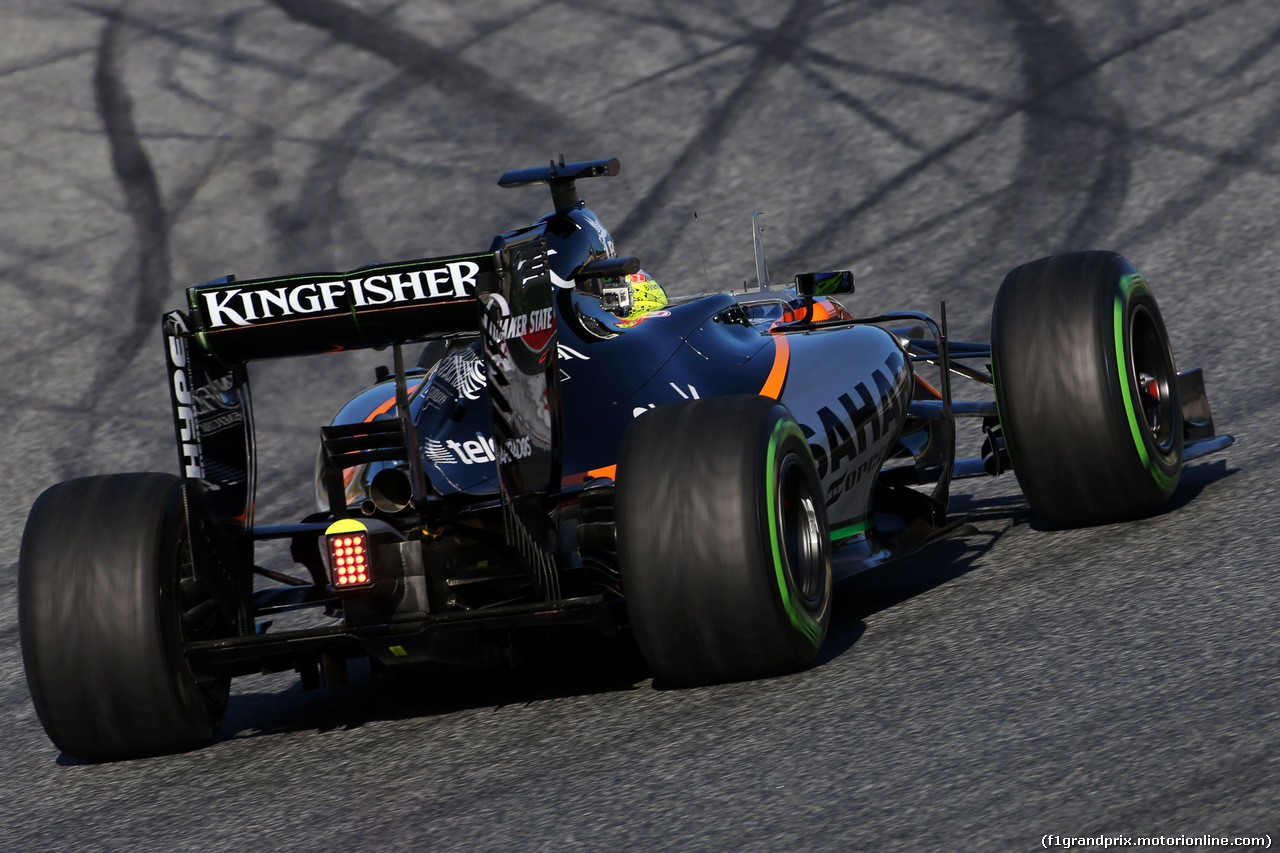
824	283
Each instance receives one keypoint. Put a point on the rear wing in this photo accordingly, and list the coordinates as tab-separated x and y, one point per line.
234	322
504	296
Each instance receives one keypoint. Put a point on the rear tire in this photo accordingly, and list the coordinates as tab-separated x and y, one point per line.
723	542
1087	389
106	595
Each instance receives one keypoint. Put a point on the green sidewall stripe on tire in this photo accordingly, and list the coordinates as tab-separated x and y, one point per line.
795	612
1133	285
851	530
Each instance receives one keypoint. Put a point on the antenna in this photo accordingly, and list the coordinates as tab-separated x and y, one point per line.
762	271
697	226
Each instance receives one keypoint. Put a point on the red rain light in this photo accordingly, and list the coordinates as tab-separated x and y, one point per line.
347	555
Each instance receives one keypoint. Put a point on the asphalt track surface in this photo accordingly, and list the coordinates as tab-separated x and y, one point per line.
1009	684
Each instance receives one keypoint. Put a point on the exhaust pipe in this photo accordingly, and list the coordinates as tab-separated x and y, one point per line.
391	490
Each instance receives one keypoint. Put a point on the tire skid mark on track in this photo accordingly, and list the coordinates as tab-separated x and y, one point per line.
225	149
210	47
137	178
1152	135
42	61
262	135
861	108
839	224
1053	214
693	51
1254	55
856	67
773	50
309	230
1042	101
1259	163
877	119
148	288
494	26
444	69
1236	162
920	228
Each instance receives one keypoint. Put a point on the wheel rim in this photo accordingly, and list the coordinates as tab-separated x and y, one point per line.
1151	370
800	532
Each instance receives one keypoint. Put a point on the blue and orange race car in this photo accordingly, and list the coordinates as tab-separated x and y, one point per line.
562	452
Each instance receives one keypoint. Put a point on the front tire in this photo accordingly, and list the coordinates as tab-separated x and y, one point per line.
1087	389
723	542
106	595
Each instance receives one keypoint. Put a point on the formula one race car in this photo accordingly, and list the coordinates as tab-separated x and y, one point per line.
698	473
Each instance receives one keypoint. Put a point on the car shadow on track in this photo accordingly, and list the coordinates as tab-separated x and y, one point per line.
874	590
565	667
985	520
1196	477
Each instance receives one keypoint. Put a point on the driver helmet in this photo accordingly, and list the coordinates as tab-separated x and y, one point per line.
646	294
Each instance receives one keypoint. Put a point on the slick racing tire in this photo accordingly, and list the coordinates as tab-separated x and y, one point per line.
723	542
105	599
1087	390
